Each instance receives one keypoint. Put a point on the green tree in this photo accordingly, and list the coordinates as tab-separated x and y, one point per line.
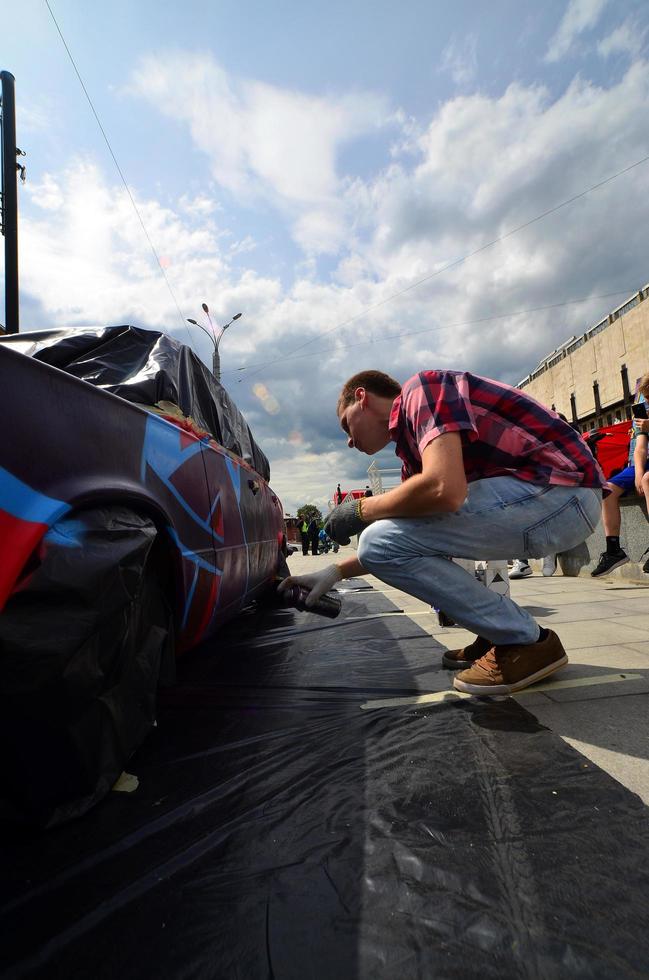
308	513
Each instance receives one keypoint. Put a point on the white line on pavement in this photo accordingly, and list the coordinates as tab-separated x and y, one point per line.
439	697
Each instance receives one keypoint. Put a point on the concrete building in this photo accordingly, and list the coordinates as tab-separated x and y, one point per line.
591	379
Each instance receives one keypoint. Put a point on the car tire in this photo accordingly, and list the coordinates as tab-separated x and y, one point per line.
83	642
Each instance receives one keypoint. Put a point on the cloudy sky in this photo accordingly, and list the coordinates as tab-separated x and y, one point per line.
336	172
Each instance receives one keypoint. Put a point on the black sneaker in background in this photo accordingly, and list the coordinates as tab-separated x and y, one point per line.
608	563
645	567
467	656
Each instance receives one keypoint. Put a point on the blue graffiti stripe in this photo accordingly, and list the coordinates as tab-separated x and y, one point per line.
198	563
191	556
161	450
165	458
235	476
67	533
21	500
214	504
189	599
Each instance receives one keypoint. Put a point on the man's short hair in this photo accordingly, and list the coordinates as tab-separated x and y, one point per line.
643	387
376	382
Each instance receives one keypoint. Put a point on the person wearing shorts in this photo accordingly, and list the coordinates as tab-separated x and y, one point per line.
634	477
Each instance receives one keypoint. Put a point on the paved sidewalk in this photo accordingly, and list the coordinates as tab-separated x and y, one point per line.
600	702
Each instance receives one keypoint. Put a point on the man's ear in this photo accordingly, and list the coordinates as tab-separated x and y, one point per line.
361	396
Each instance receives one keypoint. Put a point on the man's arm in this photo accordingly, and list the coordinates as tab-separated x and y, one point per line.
640	455
350	568
441	486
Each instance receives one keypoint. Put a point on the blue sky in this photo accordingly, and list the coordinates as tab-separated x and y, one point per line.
304	164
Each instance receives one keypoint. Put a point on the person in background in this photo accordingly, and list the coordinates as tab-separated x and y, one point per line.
314	537
643	435
592	438
339	496
304	534
368	492
549	565
520	569
630	478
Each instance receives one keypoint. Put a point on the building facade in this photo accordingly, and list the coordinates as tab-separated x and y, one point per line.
592	379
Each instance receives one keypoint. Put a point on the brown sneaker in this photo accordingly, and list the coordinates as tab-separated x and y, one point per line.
505	669
459	659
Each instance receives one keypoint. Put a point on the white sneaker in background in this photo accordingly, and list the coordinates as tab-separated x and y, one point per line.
520	569
549	564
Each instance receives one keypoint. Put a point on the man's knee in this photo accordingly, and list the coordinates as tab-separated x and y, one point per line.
373	544
390	539
612	500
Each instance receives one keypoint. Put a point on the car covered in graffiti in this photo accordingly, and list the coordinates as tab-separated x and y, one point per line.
136	518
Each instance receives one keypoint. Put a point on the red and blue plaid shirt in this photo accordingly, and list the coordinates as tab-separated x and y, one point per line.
504	432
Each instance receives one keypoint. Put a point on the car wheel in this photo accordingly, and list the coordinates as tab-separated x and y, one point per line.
82	643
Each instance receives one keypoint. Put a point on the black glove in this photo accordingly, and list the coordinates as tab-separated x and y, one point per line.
343	522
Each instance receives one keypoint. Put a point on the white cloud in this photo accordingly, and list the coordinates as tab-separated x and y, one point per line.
264	142
247	244
628	38
321	230
580	16
459	59
33	118
200	205
476	169
47	194
87	260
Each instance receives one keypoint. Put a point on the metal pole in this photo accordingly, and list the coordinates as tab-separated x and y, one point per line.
10	201
216	364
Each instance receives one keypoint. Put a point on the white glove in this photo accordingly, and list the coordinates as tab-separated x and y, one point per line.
317	583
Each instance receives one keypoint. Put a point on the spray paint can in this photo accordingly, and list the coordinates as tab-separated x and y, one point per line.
296	595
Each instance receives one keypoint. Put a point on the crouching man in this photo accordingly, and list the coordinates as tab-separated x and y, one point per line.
487	473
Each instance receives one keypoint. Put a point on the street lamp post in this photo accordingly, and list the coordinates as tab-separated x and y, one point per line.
9	200
216	357
216	339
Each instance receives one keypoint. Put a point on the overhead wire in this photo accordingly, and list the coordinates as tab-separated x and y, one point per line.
254	369
119	170
445	326
451	265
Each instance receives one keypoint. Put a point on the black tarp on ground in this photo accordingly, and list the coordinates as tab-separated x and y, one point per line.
280	831
146	367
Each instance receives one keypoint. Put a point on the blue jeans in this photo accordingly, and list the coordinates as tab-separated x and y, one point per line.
501	517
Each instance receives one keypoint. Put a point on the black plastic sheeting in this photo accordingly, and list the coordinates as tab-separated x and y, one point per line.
83	645
280	831
145	367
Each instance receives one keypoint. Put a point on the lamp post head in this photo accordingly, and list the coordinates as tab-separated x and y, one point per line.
235	317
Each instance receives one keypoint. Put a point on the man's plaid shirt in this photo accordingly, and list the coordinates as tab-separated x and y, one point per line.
504	431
